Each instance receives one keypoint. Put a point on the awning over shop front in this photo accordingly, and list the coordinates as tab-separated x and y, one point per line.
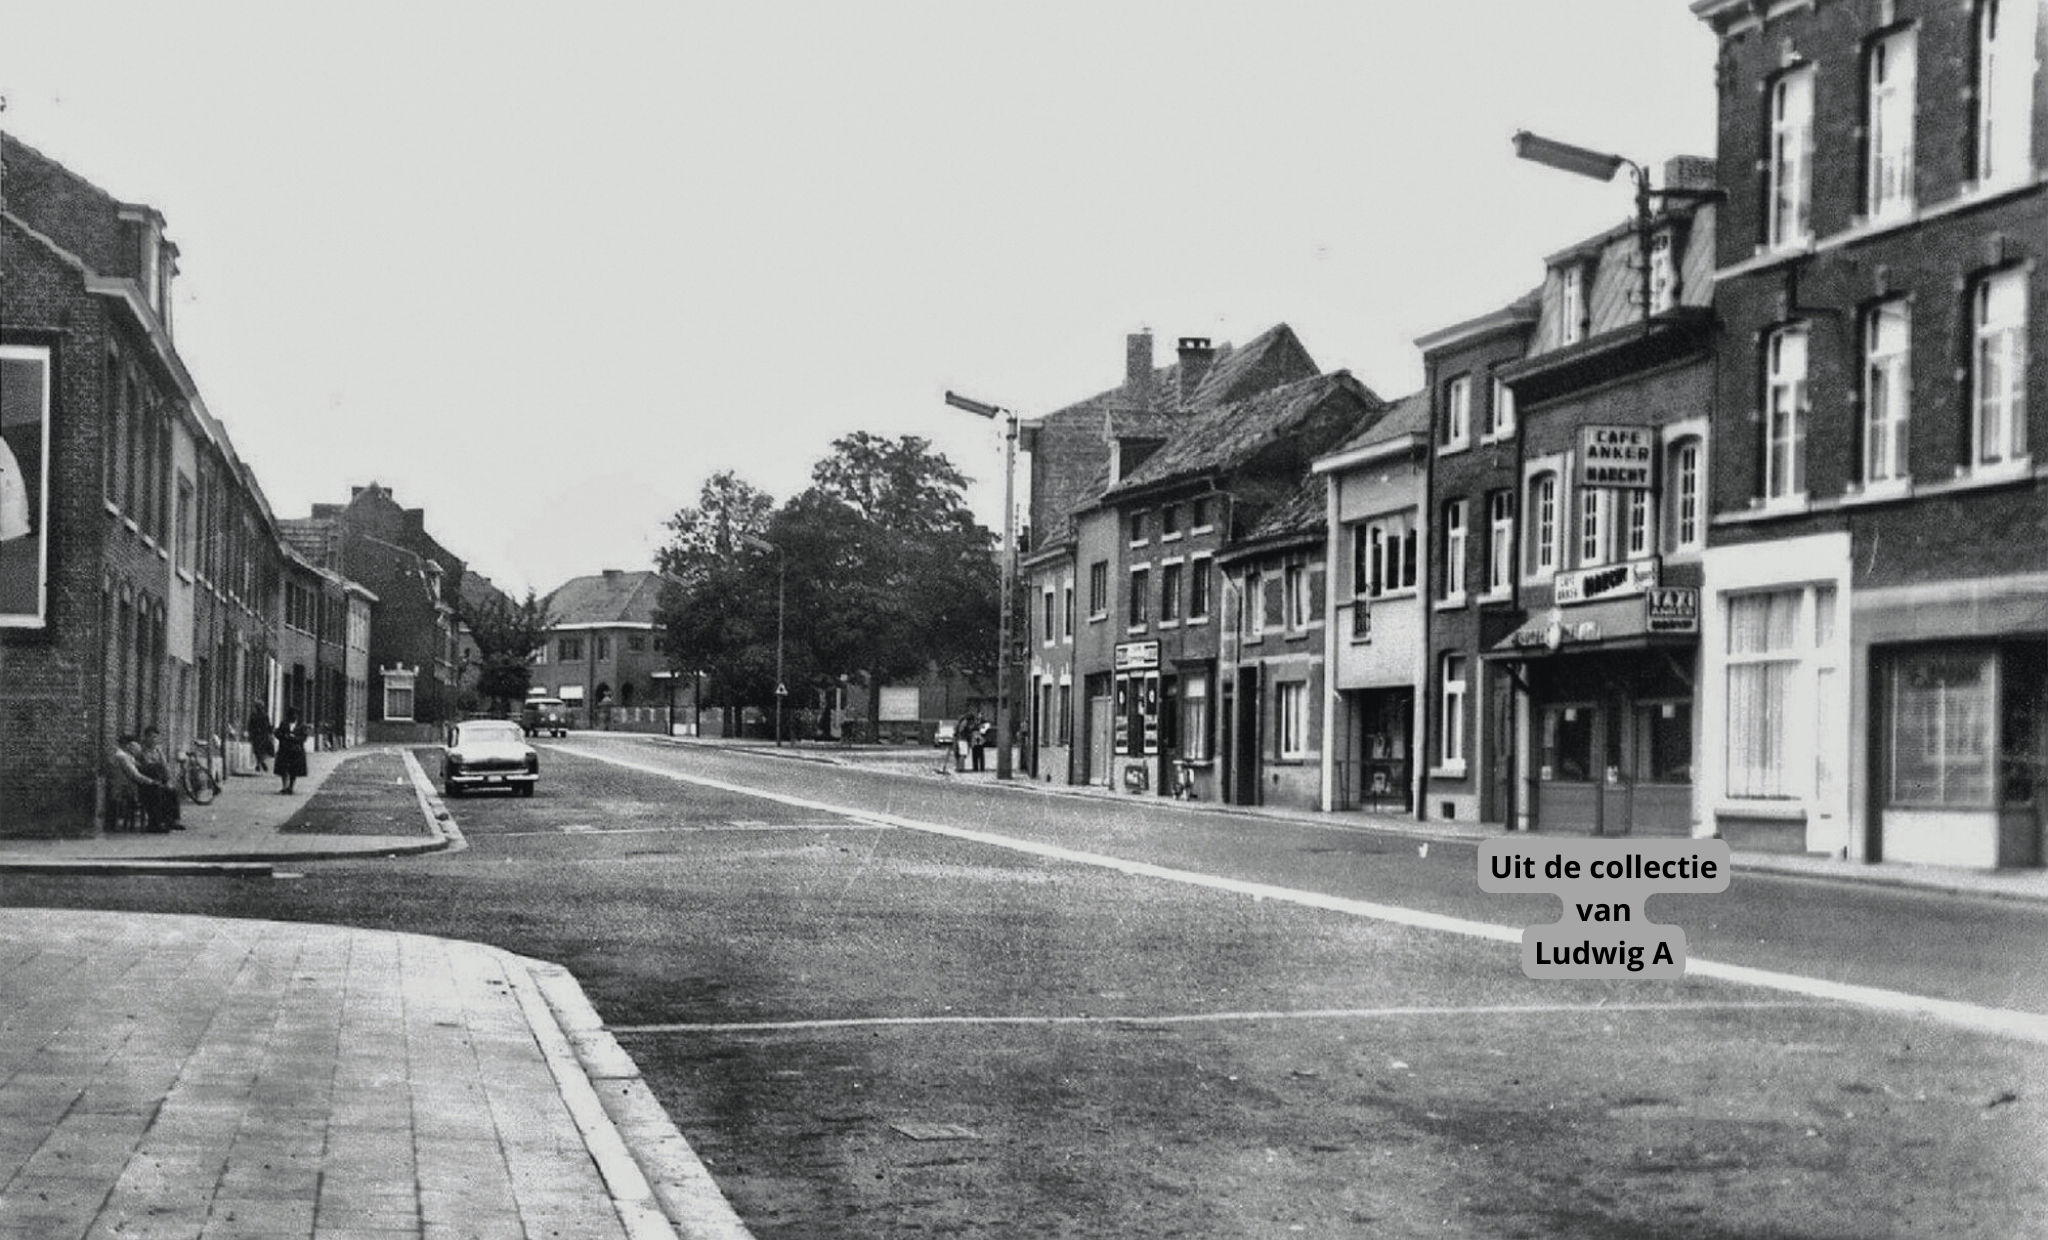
1660	616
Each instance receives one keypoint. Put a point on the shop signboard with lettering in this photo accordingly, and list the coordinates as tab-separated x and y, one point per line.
1671	610
1622	457
1585	585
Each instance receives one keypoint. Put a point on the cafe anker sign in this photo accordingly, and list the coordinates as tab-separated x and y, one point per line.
1617	456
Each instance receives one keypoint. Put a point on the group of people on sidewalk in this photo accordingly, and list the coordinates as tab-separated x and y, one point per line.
140	770
970	740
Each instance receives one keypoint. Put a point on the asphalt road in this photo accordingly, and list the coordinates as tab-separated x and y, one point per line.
877	1031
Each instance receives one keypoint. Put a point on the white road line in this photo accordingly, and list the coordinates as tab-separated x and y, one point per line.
1206	1018
2025	1026
693	828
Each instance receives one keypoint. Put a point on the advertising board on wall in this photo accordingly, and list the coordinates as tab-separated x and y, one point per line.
24	485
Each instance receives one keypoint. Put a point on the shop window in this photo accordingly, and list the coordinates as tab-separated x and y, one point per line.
1939	739
1663	742
1568	743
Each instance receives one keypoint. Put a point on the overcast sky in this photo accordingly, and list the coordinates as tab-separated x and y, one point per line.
541	268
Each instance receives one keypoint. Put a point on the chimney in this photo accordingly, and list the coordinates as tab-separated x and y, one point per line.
1196	357
1138	369
1689	172
611	574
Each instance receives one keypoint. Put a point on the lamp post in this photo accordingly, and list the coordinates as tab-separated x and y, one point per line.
1601	166
981	409
781	596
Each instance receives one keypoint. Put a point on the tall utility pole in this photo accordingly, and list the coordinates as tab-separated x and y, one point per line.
781	616
1004	764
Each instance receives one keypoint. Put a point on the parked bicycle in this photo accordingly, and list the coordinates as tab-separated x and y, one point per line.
196	773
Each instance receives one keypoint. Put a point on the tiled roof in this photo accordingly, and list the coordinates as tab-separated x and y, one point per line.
1233	434
1409	416
1303	514
611	597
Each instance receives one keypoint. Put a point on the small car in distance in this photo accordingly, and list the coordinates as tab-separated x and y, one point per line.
550	715
488	753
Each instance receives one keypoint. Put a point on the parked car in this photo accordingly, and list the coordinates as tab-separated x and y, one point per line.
550	715
488	753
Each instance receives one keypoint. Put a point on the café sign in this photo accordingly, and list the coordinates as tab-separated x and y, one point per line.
1614	581
1617	456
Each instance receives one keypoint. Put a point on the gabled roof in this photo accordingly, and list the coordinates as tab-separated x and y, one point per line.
1236	372
609	597
1232	435
1408	416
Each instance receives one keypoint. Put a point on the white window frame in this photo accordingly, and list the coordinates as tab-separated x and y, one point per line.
1458	414
1457	538
401	680
1887	393
1812	663
1789	168
1500	415
1638	530
1683	480
1294	595
2003	124
1172	606
1385	547
1137	601
1545	526
1049	635
1785	415
1500	555
1291	713
1998	373
1067	618
1888	141
1595	512
1572	303
1451	734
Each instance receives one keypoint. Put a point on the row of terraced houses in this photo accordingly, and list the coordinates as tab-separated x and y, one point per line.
1729	527
144	578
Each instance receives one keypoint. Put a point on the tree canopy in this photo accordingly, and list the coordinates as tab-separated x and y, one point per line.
877	571
506	635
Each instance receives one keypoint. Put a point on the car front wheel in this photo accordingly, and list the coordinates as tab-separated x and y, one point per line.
526	790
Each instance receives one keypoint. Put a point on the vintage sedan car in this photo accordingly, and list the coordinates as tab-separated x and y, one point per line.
488	753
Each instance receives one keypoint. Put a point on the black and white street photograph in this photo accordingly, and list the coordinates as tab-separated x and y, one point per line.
660	621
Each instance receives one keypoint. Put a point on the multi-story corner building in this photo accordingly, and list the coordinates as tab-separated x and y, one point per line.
1612	406
1464	597
1875	624
1075	453
605	654
1375	489
414	657
1205	683
138	559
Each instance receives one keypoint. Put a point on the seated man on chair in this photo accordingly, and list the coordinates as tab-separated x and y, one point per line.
158	799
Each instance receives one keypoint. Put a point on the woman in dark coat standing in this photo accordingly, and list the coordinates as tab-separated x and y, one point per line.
291	751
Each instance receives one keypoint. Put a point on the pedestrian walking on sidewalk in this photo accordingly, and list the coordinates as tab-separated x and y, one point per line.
963	737
978	738
291	751
262	738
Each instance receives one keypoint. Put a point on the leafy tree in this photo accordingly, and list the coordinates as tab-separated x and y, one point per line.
507	634
703	537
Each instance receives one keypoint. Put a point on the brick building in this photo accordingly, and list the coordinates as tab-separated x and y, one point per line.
1074	553
605	654
139	562
414	662
1875	626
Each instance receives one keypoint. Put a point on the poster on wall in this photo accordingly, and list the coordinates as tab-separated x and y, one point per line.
24	485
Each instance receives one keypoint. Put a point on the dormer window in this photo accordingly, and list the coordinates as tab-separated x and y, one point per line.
1571	325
